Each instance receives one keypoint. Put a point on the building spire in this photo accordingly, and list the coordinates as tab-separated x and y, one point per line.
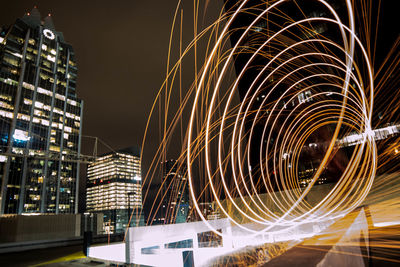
48	23
32	17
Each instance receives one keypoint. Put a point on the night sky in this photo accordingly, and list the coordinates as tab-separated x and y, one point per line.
121	50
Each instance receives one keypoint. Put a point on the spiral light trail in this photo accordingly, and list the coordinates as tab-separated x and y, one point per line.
274	127
339	95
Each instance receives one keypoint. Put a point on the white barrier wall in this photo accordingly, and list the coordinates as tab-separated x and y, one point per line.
158	236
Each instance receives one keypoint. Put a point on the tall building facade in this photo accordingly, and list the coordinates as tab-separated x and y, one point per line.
40	119
114	188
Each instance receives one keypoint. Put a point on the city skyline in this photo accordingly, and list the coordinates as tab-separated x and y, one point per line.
118	88
140	58
130	72
117	118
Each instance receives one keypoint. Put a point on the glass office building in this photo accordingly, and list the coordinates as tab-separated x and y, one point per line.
114	188
40	119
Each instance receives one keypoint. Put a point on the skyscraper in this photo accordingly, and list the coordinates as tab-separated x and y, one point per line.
114	188
40	119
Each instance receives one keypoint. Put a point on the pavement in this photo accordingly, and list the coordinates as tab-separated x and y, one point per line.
383	250
42	257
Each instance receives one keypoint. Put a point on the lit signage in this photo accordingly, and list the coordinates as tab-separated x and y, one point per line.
49	34
21	136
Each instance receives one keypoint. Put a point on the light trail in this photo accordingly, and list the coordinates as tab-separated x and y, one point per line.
268	220
303	85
